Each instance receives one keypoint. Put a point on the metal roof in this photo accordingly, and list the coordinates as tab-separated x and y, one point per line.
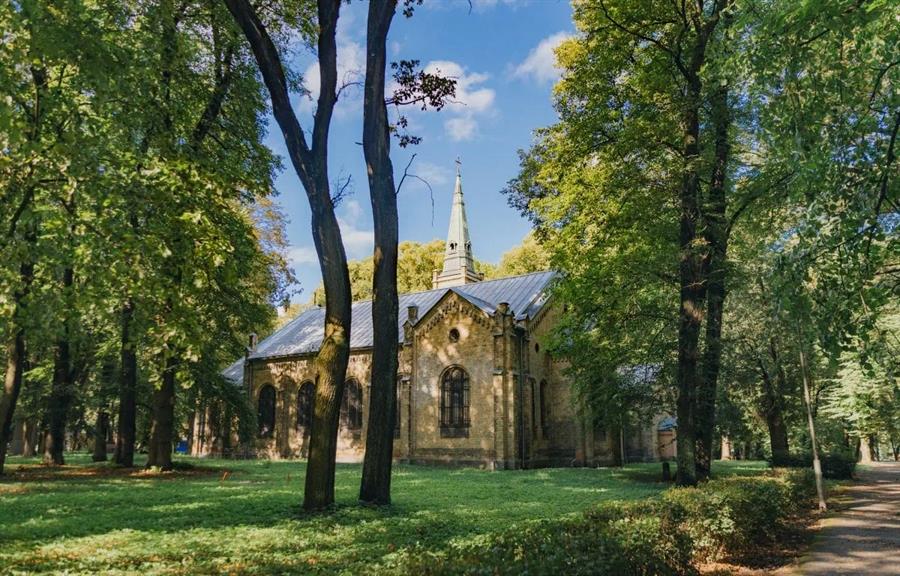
525	295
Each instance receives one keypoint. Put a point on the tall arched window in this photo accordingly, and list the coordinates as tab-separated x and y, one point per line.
351	407
265	414
397	408
455	403
545	408
305	406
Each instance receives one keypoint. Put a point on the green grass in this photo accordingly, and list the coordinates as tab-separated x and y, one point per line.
251	522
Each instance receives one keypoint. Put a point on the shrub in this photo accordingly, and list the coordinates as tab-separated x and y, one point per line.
835	465
801	487
613	538
731	516
758	507
702	518
661	536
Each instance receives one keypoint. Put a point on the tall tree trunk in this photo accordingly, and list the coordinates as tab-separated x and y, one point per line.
716	235
62	387
778	434
692	291
375	487
162	430
29	443
100	430
615	443
311	166
127	389
817	464
694	261
773	388
15	355
865	449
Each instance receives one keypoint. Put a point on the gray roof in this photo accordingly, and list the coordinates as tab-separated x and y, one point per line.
667	423
525	294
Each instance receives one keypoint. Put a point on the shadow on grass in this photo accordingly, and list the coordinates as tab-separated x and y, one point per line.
211	517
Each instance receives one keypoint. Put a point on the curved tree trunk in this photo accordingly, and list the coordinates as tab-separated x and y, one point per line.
375	487
311	166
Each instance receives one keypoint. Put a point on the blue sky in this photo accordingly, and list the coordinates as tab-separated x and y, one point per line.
501	54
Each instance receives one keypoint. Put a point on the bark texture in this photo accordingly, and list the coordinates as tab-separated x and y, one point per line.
125	436
375	487
772	411
693	287
163	429
61	389
101	427
311	166
694	263
15	359
716	236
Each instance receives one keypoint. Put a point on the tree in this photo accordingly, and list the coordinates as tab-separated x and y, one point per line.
310	163
645	126
375	487
528	256
130	199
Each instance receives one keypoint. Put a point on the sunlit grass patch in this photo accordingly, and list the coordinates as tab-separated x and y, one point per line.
245	517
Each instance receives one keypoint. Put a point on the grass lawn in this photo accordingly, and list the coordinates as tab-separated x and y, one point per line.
89	519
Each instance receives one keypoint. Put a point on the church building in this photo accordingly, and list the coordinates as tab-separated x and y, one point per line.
476	385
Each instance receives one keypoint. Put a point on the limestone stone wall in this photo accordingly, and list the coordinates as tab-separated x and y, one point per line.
506	363
434	351
287	376
556	441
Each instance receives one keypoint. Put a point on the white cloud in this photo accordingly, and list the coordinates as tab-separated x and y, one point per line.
434	174
540	64
351	67
461	128
300	255
472	99
358	242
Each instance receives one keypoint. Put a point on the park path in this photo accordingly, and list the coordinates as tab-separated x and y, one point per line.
864	537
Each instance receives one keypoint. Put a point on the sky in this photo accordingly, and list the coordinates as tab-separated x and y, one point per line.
501	53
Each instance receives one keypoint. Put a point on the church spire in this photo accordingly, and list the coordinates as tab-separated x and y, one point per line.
459	264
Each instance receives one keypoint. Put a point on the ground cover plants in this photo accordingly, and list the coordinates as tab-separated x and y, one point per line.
244	517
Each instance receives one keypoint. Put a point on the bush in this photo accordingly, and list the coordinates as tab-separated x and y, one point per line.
835	465
661	536
614	538
758	507
801	488
701	517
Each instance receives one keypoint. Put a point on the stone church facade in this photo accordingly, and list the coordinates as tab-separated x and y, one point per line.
476	385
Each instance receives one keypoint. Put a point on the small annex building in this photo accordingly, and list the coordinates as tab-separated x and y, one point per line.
476	385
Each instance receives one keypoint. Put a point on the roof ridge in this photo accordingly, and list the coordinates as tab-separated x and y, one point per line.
463	286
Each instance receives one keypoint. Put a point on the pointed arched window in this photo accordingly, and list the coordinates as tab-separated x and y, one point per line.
455	403
305	406
265	415
351	407
545	408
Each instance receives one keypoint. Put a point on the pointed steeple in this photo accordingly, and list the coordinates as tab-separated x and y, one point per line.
459	264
